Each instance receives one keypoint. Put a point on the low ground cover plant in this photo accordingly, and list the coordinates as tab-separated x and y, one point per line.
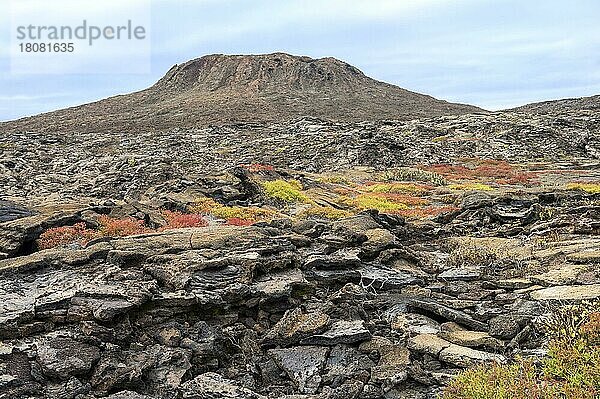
490	170
325	212
235	214
81	234
570	370
64	235
177	219
113	227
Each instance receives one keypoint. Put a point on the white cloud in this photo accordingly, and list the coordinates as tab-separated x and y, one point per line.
271	16
33	97
68	9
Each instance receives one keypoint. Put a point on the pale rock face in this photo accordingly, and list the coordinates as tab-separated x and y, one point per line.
567	292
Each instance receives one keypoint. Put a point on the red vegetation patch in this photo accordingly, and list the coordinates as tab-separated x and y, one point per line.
57	236
453	172
404	199
177	220
239	222
129	226
344	191
258	167
500	172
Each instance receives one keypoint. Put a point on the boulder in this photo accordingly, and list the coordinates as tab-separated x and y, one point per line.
448	313
303	365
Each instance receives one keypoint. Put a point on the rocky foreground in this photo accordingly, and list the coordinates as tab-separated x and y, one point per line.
369	306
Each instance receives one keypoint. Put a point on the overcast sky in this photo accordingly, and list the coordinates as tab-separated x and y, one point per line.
492	53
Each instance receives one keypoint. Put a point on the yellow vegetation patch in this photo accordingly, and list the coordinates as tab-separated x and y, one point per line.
287	191
592	188
211	207
370	201
471	187
398	188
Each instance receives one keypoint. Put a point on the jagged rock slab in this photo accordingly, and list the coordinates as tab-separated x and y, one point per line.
340	332
296	325
449	313
213	385
451	353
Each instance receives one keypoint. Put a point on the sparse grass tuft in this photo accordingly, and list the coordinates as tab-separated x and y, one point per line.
413	174
472	252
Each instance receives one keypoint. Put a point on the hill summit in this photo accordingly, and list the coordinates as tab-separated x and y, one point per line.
222	89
